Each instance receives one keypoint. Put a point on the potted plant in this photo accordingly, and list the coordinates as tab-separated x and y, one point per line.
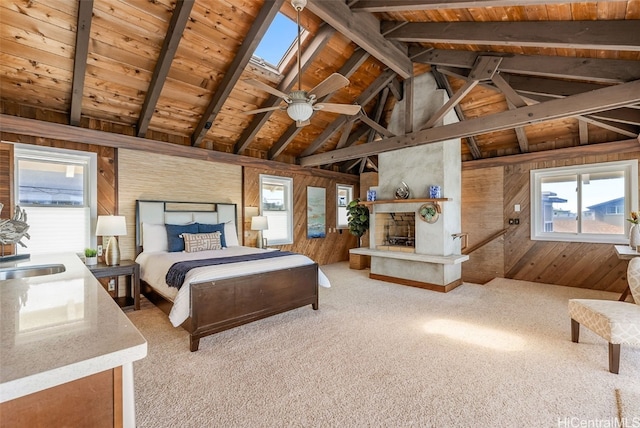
357	219
90	256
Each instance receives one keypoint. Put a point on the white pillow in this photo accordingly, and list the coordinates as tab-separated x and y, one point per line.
154	237
230	234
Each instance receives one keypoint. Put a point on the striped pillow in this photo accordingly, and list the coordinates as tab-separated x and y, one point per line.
194	242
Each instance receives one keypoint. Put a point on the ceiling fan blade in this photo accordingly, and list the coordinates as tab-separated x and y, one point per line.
300	124
348	109
262	110
258	84
330	84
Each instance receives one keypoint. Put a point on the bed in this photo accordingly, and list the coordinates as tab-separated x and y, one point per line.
205	300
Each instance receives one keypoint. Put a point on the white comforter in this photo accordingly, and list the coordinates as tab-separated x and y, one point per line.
154	267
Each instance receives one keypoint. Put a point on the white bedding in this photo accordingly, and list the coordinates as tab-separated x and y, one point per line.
155	265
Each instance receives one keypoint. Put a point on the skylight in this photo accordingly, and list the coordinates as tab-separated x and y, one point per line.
277	41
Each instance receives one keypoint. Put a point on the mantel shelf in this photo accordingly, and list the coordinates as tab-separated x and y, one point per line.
405	201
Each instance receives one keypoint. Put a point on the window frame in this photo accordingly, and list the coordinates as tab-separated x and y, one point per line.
630	171
349	188
61	156
287	183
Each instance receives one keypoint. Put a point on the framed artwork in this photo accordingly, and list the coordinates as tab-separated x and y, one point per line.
316	212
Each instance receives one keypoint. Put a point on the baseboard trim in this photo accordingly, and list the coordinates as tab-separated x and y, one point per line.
419	284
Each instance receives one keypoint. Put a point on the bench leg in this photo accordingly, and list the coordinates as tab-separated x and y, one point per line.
575	330
614	357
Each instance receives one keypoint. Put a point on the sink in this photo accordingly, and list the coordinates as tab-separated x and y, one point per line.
29	271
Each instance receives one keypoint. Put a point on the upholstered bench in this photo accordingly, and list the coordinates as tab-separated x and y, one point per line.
616	322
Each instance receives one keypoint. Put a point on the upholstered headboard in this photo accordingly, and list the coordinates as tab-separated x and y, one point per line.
177	212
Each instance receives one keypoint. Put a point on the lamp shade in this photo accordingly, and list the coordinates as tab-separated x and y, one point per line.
259	222
111	225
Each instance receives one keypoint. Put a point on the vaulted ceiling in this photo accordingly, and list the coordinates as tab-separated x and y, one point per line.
522	75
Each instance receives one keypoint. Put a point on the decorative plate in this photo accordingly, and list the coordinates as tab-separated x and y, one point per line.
429	212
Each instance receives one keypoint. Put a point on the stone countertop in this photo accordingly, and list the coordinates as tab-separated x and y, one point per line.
58	328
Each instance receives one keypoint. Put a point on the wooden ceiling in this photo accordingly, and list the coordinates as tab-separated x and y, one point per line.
523	76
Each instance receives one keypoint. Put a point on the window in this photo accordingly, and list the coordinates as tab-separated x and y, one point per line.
344	195
56	190
278	43
276	204
585	203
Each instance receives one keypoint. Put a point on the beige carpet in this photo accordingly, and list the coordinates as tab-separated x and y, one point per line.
385	355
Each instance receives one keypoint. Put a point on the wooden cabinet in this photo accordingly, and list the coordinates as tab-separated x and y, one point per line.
127	268
93	401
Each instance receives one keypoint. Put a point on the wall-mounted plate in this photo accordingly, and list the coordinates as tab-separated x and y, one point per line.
429	212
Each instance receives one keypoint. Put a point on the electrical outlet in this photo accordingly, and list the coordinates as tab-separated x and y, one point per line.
99	250
516	220
112	284
512	221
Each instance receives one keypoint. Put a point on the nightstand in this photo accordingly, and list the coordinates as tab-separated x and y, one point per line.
127	268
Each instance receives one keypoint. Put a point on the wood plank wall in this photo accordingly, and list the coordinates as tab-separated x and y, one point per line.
584	265
6	184
335	246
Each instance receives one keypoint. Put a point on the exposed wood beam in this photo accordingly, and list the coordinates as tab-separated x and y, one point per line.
584	132
344	136
590	69
375	126
616	147
600	35
307	57
351	66
167	53
629	116
514	101
415	5
58	131
364	30
396	89
363	99
407	105
85	12
245	52
443	83
382	101
590	102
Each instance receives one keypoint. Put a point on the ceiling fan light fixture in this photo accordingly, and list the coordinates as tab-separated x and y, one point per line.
300	111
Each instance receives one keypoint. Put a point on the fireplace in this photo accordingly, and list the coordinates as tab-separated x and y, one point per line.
395	231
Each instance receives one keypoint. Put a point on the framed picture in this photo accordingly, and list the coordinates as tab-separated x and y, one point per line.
316	212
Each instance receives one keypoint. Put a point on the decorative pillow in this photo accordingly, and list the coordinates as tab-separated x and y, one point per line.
210	228
230	234
154	237
201	241
174	235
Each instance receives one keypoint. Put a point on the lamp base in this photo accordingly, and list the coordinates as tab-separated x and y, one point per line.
112	252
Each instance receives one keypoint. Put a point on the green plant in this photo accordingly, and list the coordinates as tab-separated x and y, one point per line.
357	218
90	252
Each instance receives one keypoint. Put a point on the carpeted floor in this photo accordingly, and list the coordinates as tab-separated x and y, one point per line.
386	355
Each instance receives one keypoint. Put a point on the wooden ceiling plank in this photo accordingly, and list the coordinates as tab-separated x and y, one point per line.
364	98
590	102
364	30
85	9
285	86
178	22
620	128
423	5
351	66
601	35
590	69
260	26
443	83
629	116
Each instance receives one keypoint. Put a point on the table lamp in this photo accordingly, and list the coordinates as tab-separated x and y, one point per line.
260	223
111	226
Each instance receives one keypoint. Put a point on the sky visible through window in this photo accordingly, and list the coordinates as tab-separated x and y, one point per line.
277	40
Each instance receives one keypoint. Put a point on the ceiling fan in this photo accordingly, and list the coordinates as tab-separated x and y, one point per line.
301	104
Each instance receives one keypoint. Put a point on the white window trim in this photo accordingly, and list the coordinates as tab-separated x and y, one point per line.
288	182
23	150
630	168
349	188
